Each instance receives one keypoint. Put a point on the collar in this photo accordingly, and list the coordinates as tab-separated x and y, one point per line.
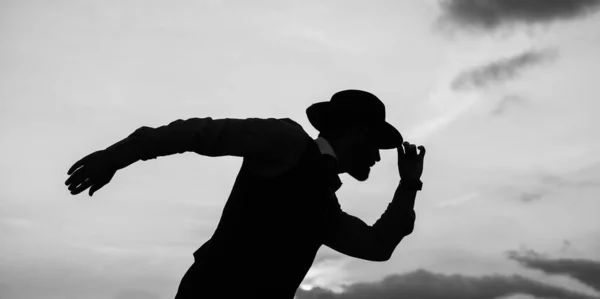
325	147
330	161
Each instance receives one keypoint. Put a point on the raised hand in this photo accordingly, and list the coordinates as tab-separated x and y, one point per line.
94	170
410	164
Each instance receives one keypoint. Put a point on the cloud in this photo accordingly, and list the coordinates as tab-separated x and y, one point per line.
529	196
490	14
549	182
586	271
424	284
565	246
328	272
500	70
444	106
507	101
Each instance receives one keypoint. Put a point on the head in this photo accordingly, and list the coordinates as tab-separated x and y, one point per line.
355	150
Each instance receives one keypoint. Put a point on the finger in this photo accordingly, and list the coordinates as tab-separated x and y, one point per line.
76	177
411	149
77	165
95	188
422	153
400	150
82	187
76	186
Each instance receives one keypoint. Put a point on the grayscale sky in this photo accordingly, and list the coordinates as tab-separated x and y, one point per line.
505	99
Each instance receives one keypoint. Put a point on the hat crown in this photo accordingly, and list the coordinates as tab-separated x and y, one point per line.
357	106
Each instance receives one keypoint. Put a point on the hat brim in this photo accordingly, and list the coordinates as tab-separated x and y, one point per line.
321	115
387	137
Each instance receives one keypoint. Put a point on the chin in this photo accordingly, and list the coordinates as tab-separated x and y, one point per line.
361	174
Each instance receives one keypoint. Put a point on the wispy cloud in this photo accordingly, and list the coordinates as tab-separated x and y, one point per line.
505	102
548	182
586	271
445	107
458	200
535	195
425	284
500	70
447	102
488	15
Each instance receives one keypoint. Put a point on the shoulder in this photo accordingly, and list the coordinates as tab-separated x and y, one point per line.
287	142
288	139
273	127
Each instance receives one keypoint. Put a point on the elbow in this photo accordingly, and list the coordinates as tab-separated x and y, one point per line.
386	250
384	258
372	257
383	255
381	258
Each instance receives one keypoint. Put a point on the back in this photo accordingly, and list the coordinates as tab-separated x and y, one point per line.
269	233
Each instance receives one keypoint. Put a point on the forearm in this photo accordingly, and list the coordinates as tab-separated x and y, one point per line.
148	143
352	236
398	219
125	152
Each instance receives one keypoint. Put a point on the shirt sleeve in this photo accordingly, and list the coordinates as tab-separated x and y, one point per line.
350	235
257	138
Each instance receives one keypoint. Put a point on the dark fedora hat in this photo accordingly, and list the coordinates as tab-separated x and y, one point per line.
353	107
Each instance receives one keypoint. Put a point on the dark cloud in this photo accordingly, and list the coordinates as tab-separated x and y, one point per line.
491	14
501	70
585	271
423	284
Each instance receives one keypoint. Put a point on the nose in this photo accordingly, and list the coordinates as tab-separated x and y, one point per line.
375	155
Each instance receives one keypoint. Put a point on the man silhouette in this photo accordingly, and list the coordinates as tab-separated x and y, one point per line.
283	206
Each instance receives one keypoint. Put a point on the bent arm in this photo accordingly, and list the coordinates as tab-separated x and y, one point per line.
251	137
349	235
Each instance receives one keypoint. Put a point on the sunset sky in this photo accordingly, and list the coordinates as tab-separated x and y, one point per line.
503	94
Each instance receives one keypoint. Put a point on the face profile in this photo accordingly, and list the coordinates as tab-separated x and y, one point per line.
363	154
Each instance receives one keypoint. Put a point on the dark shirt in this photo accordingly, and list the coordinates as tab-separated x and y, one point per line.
281	209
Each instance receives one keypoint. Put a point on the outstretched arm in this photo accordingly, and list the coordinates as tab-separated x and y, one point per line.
252	137
264	140
351	236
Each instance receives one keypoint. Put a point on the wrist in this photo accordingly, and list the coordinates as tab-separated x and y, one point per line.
411	184
122	154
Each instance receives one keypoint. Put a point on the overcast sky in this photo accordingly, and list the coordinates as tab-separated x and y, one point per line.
503	94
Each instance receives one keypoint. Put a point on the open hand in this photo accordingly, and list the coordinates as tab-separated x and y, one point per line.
94	170
410	165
